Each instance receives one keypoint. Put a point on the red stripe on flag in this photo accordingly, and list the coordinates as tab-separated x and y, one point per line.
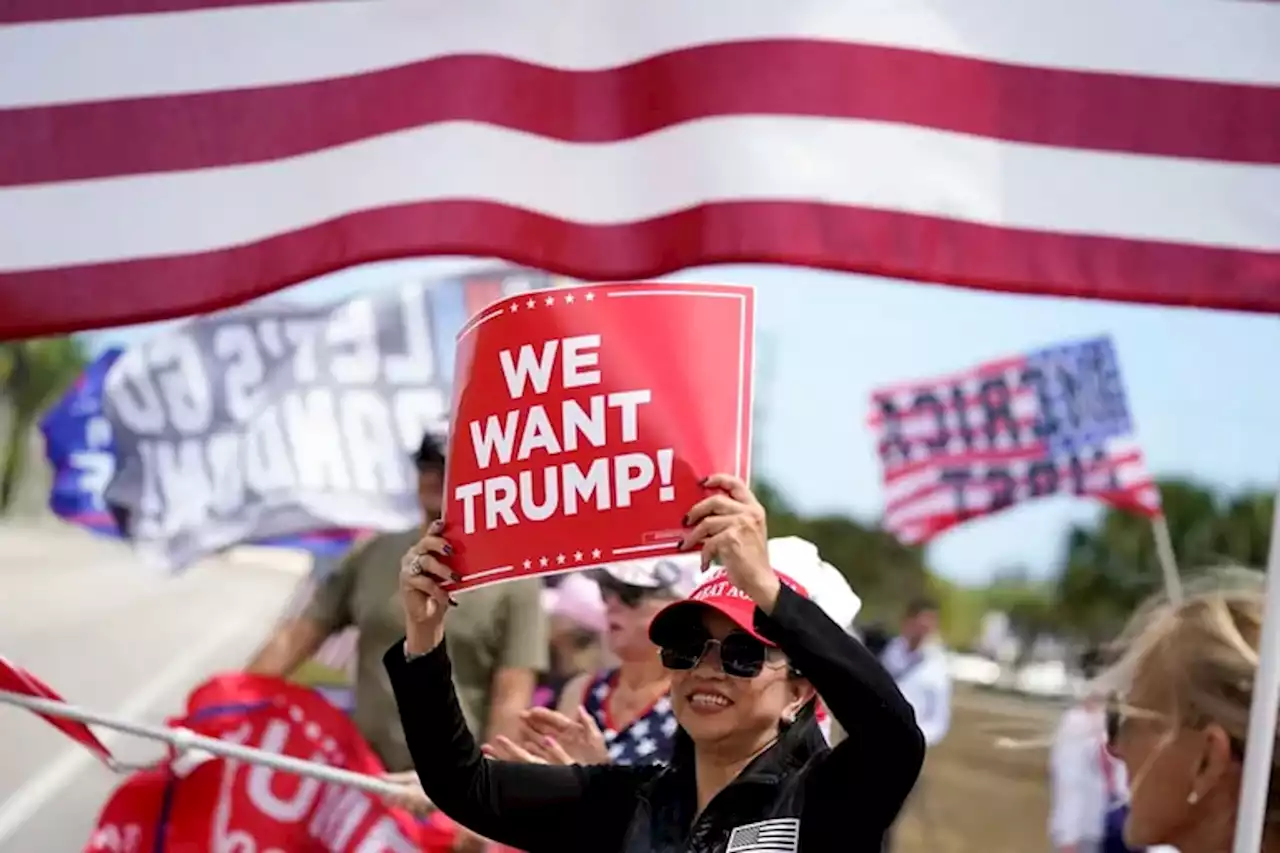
851	239
917	531
901	506
1062	108
33	11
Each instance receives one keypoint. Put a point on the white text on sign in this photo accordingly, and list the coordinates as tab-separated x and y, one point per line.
603	420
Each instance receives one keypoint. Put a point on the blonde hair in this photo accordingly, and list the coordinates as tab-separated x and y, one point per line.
1203	651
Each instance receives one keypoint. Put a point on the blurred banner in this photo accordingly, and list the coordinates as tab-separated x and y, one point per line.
224	804
276	423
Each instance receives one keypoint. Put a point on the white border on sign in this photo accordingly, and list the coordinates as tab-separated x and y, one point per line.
502	306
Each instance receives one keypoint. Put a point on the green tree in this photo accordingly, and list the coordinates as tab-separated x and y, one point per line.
32	375
884	572
1109	568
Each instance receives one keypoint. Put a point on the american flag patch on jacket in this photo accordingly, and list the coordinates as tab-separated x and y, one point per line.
781	835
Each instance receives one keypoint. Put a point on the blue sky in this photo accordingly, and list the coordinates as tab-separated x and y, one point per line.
1199	387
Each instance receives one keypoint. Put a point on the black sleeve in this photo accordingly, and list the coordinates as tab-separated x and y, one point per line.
874	769
527	806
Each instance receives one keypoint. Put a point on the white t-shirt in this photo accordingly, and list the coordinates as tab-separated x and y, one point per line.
1086	781
924	677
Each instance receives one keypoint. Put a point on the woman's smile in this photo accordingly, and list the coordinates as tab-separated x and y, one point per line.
707	700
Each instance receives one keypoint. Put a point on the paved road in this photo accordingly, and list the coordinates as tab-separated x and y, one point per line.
113	636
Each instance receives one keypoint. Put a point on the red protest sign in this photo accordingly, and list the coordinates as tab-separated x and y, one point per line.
584	419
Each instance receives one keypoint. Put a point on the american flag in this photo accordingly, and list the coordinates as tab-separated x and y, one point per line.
781	835
1051	422
165	157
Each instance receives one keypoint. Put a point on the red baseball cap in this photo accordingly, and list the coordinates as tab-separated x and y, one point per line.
715	592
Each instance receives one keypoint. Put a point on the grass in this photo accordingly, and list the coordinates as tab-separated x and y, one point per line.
976	797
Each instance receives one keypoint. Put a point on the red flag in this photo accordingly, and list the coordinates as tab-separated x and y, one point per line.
1006	145
15	679
227	804
586	419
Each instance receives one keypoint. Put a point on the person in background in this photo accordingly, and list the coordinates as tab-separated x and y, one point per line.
917	660
1184	685
620	715
1086	783
576	613
497	639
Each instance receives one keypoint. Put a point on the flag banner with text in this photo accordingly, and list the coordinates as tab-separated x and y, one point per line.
276	419
1051	422
80	447
585	418
226	804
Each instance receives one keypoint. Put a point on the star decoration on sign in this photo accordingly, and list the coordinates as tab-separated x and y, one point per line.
595	553
528	564
590	296
531	303
543	562
550	300
560	559
577	556
515	306
568	298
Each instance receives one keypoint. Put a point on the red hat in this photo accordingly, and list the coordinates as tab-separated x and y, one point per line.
715	592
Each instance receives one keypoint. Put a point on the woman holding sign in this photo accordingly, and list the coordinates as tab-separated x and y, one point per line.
751	770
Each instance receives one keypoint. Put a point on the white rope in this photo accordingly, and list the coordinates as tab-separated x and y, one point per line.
187	741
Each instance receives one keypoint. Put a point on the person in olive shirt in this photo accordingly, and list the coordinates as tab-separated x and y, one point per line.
497	635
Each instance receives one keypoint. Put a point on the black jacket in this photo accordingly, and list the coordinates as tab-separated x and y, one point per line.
837	799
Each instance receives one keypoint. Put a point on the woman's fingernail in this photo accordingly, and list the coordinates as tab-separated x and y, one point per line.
684	522
453	602
447	549
683	544
547	740
703	482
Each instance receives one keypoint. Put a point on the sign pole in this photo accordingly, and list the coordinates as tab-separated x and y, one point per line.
1251	816
186	741
1168	561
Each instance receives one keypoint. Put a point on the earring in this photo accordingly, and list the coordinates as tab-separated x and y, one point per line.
1193	798
788	718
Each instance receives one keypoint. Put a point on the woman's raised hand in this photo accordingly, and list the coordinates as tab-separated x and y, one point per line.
425	603
731	528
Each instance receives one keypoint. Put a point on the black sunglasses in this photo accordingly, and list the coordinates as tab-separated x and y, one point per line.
741	655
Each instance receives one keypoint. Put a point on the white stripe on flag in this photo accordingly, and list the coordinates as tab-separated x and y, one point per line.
233	48
913	169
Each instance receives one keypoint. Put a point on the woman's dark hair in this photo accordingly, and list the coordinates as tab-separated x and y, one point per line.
430	455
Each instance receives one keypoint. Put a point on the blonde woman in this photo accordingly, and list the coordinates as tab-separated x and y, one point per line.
1185	679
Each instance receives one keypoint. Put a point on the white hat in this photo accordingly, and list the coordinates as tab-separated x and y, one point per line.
675	574
799	560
